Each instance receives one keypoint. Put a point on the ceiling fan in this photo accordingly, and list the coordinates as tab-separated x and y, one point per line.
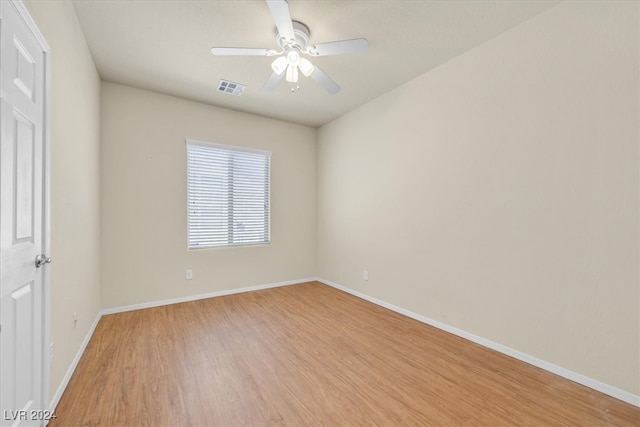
293	39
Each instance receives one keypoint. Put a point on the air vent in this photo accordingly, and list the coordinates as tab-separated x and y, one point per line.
230	87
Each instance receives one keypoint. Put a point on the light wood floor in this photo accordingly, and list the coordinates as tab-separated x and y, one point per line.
310	355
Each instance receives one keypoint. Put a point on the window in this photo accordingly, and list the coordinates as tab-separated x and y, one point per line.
227	195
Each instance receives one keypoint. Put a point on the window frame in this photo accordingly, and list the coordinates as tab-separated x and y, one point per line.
229	149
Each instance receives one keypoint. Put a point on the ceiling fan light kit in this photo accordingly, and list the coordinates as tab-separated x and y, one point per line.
293	38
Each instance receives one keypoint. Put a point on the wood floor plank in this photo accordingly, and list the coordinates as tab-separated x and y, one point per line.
309	354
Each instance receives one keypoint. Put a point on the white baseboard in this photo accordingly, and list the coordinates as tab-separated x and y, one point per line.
74	363
202	296
625	396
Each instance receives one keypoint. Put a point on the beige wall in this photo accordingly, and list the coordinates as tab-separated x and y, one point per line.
499	192
75	186
143	193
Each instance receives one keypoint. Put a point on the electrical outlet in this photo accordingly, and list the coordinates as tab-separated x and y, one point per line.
51	351
75	319
188	274
365	275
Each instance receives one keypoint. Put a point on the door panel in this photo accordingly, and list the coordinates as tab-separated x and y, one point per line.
24	76
24	160
22	305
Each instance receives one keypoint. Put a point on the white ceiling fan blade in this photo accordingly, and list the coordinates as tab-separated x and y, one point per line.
272	83
325	81
339	47
282	18
227	51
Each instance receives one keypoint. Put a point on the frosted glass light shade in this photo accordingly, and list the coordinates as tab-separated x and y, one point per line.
292	74
306	67
279	65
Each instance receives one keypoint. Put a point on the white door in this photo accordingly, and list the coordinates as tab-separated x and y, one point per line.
22	219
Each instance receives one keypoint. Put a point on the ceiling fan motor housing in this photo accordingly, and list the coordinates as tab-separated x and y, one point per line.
301	33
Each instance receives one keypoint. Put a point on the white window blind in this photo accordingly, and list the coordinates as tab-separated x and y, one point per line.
227	195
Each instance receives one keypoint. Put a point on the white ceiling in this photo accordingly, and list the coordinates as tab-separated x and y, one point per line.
164	46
